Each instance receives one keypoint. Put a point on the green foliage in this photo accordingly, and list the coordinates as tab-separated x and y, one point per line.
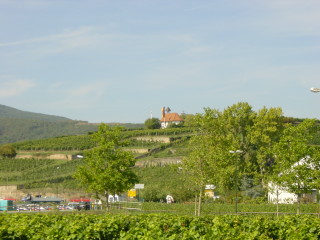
219	207
174	125
7	151
152	123
189	120
14	130
250	190
107	167
163	180
297	164
238	127
155	226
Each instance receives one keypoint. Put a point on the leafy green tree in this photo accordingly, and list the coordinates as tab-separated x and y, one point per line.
188	120
107	168
297	163
238	127
266	131
152	123
7	151
220	132
201	166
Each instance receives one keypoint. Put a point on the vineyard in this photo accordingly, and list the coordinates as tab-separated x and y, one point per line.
216	208
34	171
38	171
83	142
66	143
152	226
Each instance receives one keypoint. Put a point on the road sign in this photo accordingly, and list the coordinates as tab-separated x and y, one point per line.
139	186
132	193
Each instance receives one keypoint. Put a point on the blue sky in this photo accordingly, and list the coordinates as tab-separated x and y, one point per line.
120	61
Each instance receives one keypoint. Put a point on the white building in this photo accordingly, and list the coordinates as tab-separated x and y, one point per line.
169	118
277	194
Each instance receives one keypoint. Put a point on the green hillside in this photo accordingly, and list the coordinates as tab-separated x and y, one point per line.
17	125
154	161
12	113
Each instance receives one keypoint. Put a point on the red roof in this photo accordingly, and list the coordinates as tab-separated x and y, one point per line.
80	200
171	117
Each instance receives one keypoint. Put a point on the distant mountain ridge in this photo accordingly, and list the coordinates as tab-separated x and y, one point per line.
17	125
13	113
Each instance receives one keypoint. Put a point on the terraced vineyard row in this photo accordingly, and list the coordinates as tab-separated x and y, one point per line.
66	143
22	171
83	142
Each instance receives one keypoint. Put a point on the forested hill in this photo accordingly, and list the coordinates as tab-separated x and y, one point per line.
17	125
12	113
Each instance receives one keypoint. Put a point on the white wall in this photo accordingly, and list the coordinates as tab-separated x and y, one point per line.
276	194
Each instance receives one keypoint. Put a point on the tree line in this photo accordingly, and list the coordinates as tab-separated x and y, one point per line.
230	146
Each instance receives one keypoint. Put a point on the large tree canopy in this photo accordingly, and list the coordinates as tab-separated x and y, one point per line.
238	127
297	162
107	167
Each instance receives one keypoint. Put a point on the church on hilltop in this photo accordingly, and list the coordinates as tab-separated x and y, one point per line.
169	118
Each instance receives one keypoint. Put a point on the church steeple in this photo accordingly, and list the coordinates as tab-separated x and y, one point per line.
163	110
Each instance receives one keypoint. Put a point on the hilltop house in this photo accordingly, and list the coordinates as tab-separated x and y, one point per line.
169	118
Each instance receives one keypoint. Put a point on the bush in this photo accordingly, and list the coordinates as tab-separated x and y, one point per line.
152	123
7	151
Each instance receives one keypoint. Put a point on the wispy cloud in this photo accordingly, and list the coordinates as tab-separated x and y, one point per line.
95	89
86	39
67	35
82	96
11	86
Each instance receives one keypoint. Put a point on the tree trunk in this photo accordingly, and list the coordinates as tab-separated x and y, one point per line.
107	200
299	197
318	202
199	205
277	202
195	205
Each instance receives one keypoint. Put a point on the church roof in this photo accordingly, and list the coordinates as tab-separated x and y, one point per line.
171	117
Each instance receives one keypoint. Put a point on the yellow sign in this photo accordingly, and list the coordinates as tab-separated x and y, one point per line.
132	193
209	193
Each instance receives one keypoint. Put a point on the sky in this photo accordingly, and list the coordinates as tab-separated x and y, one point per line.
123	60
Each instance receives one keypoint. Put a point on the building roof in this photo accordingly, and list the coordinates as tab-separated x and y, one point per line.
45	199
171	117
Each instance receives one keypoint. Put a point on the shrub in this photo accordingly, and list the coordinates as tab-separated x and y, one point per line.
7	151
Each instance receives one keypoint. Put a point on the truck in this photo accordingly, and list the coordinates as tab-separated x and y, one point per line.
40	199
